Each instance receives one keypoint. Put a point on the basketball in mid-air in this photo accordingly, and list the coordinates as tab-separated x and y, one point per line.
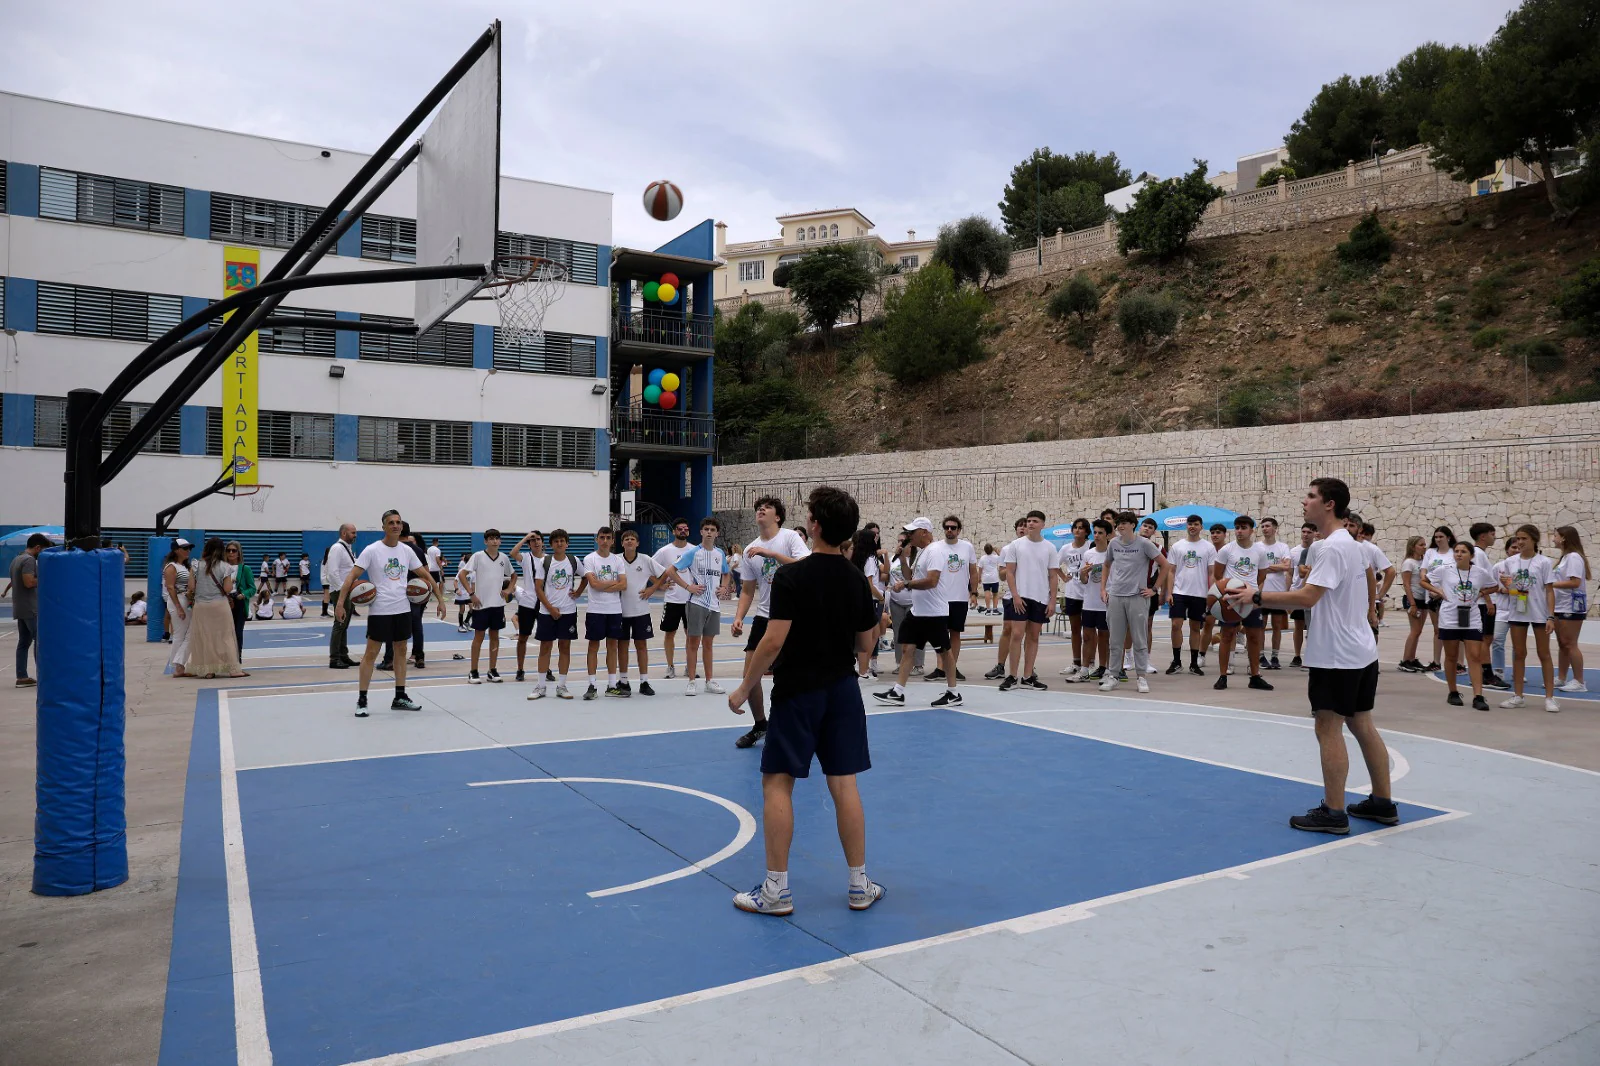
663	200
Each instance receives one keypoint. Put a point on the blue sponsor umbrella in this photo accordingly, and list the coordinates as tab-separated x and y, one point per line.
1170	520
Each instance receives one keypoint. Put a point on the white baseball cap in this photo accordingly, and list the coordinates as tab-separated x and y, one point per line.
181	543
918	523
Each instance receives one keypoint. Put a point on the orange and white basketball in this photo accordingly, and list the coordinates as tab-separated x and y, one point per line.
663	200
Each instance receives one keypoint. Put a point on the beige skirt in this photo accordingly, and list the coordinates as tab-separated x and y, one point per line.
213	649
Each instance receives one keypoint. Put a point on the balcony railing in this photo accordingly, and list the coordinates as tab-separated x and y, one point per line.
662	429
664	328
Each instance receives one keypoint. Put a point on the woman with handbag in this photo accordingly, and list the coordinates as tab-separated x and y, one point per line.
213	648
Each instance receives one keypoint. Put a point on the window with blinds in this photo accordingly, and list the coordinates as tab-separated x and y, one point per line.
549	447
50	426
272	223
447	344
299	340
86	311
581	260
72	196
553	353
388	238
413	440
2	186
2	284
279	435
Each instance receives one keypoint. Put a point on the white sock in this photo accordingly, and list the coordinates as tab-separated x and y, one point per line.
950	689
644	675
858	876
777	883
624	678
561	679
591	681
898	691
611	679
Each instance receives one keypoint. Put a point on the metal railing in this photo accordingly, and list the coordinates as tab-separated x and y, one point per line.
663	327
663	429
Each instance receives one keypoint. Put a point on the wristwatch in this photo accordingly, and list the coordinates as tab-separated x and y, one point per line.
1256	598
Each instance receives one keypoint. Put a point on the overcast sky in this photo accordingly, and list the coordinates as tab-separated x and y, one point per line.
912	112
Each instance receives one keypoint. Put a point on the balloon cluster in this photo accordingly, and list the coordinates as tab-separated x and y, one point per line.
661	388
663	292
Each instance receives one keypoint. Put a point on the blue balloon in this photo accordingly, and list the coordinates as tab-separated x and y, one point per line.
674	301
656	376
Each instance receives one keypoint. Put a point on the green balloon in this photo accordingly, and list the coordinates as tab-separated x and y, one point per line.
650	288
652	393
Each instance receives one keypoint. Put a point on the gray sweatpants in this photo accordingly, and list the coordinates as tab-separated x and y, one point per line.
1128	616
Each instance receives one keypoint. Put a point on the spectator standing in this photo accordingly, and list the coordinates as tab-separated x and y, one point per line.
213	649
341	557
175	593
25	604
244	590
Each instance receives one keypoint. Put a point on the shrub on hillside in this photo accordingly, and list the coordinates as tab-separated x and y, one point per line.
931	326
1487	298
1488	337
1447	396
1077	297
1342	402
1143	315
1246	405
1579	300
1340	315
974	249
1165	213
1542	356
1271	175
1369	245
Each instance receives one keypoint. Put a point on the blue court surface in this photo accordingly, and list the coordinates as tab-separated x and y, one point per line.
492	876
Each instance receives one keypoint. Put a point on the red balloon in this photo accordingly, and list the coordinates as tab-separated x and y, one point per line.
670	279
669	400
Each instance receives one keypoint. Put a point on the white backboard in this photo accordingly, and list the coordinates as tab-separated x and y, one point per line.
1140	498
458	187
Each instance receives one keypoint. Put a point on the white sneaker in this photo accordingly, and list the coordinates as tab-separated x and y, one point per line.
1574	686
1142	685
693	689
1071	671
672	674
1513	703
1109	683
1553	706
713	686
537	694
1149	668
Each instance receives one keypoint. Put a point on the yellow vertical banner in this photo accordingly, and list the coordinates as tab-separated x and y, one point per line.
240	376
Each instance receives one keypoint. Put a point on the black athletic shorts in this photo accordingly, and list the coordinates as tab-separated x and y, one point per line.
958	615
488	618
758	629
1191	607
1032	611
636	627
1344	692
991	586
1298	614
918	631
1524	625
1071	608
551	628
1461	634
1094	620
1570	616
527	619
1485	619
602	626
1428	604
672	617
1274	612
1254	620
828	722
387	627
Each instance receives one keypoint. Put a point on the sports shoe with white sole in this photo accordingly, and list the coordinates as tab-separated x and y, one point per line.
1553	706
890	697
756	901
862	898
947	699
562	693
538	693
713	687
1513	703
1573	686
1109	684
1142	685
693	689
671	674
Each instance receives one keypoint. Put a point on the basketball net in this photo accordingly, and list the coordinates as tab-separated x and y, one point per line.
523	291
258	498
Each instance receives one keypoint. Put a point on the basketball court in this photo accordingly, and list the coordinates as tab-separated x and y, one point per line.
1071	877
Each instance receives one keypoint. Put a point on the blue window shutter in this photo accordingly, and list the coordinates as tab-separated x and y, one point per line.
192	429
347	344
197	214
22	191
18	420
482	347
350	243
482	443
22	303
345	435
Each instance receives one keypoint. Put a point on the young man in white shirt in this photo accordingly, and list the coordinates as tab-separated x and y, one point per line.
341	557
1297	578
1003	660
388	564
1342	655
1243	560
436	559
774	547
1126	593
1209	638
492	576
1033	576
1190	559
703	572
1096	628
602	622
280	572
674	606
958	580
929	623
1482	534
643	575
1070	564
529	554
1277	570
557	587
1382	569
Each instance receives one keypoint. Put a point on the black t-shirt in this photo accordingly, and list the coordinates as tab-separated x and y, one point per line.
826	600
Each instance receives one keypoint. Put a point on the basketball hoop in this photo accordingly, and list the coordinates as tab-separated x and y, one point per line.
523	288
257	493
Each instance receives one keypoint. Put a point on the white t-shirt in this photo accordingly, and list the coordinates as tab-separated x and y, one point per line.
280	568
1272	554
293	608
305	569
463	583
1007	557
264	609
1501	598
532	571
560	579
1191	565
665	557
1411	578
1032	561
989	568
489	575
1070	561
1337	634
1302	557
1433	561
929	602
1095	560
1530	576
874	577
1572	567
597	567
1379	561
1242	563
435	556
1461	589
901	598
137	612
389	569
640	573
760	568
955	568
706	566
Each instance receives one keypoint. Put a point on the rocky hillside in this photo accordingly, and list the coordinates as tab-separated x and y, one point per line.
1272	329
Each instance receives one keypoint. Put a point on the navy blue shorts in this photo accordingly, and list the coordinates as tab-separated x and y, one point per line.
1094	620
1032	611
527	619
829	723
563	628
602	626
1071	608
636	627
1256	619
1191	607
991	586
488	618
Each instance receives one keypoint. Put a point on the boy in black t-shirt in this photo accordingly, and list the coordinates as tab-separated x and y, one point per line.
821	617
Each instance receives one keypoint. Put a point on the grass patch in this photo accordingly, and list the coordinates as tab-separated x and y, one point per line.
1542	356
1488	337
1340	315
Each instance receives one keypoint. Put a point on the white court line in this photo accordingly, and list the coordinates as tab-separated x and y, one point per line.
1023	924
747	825
249	1009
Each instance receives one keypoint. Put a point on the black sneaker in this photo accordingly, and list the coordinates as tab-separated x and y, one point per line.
1376	810
995	673
1097	674
404	703
1431	667
590	693
420	664
387	664
1320	819
890	697
625	688
1257	681
1032	681
747	740
1454	699
493	677
959	675
1177	665
1197	670
549	675
1008	684
645	689
338	666
1222	682
1263	662
947	699
1405	666
614	691
1295	662
1497	682
473	678
1479	703
936	675
1122	677
1274	664
520	675
361	706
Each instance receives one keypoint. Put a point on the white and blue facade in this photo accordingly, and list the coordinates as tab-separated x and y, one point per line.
113	230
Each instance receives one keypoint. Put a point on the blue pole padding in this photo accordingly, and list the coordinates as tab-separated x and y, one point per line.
155	625
80	820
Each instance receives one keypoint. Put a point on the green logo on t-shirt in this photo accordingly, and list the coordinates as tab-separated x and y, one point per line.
392	569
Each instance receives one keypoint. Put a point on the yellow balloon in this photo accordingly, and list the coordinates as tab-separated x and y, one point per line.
665	293
670	382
